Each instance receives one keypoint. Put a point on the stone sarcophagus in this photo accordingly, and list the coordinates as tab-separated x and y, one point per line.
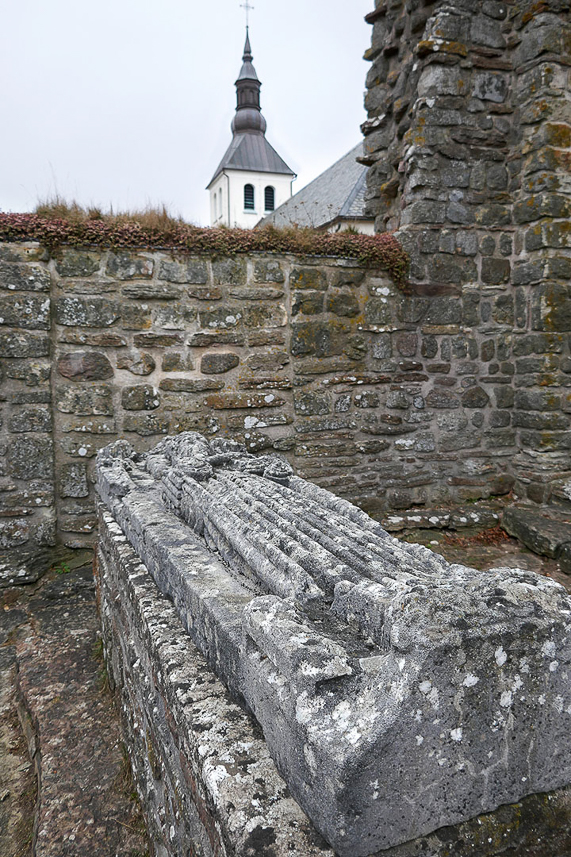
397	693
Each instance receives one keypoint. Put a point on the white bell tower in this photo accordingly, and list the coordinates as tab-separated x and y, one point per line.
251	180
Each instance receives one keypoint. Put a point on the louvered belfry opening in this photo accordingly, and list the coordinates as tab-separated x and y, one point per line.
249	201
269	198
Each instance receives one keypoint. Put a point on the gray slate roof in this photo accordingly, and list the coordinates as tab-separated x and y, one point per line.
338	192
252	152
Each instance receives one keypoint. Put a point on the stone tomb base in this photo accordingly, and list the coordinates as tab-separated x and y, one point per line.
203	772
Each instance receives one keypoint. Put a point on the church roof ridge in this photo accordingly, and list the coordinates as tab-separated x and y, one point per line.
339	191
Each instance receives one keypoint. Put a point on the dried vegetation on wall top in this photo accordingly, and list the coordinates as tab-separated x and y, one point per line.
370	251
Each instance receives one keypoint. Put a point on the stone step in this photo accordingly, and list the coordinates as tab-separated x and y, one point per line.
545	530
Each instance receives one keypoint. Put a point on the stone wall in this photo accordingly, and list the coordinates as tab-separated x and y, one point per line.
391	400
388	399
27	497
321	360
469	139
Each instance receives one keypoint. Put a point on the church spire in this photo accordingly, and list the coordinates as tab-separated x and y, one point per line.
248	118
251	179
247	49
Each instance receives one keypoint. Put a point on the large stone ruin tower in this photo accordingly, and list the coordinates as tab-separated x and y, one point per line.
468	141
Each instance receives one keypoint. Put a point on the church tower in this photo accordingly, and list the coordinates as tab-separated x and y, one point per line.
251	179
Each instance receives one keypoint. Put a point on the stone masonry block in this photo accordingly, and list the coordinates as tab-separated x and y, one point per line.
366	400
33	372
78	263
18	344
230	271
378	311
30	457
142	397
407	344
382	346
504	396
503	310
128	266
85	366
31	420
260	315
152	291
72	480
342	303
218	362
311	404
174	316
85	401
86	312
231	401
308	278
495	271
23	251
192	271
157	340
268	271
176	361
352	278
14	533
24	278
475	397
273	361
539	421
429	347
31	312
205	293
136	316
443	310
551	307
306	302
491	86
221	318
548	234
146	425
138	363
190	385
537	400
320	339
442	399
538	343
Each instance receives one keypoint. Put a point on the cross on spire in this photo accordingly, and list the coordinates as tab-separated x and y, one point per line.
247	6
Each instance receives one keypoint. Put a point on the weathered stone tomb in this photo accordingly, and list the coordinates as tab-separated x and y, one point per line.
397	693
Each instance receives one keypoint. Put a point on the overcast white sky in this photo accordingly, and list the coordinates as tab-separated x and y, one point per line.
129	102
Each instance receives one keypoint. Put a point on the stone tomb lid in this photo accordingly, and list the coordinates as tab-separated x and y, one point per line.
397	693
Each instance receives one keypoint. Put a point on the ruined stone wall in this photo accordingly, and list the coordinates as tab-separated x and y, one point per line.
96	345
27	496
469	139
390	400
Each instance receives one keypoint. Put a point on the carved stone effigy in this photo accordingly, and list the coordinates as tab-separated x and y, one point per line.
397	693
